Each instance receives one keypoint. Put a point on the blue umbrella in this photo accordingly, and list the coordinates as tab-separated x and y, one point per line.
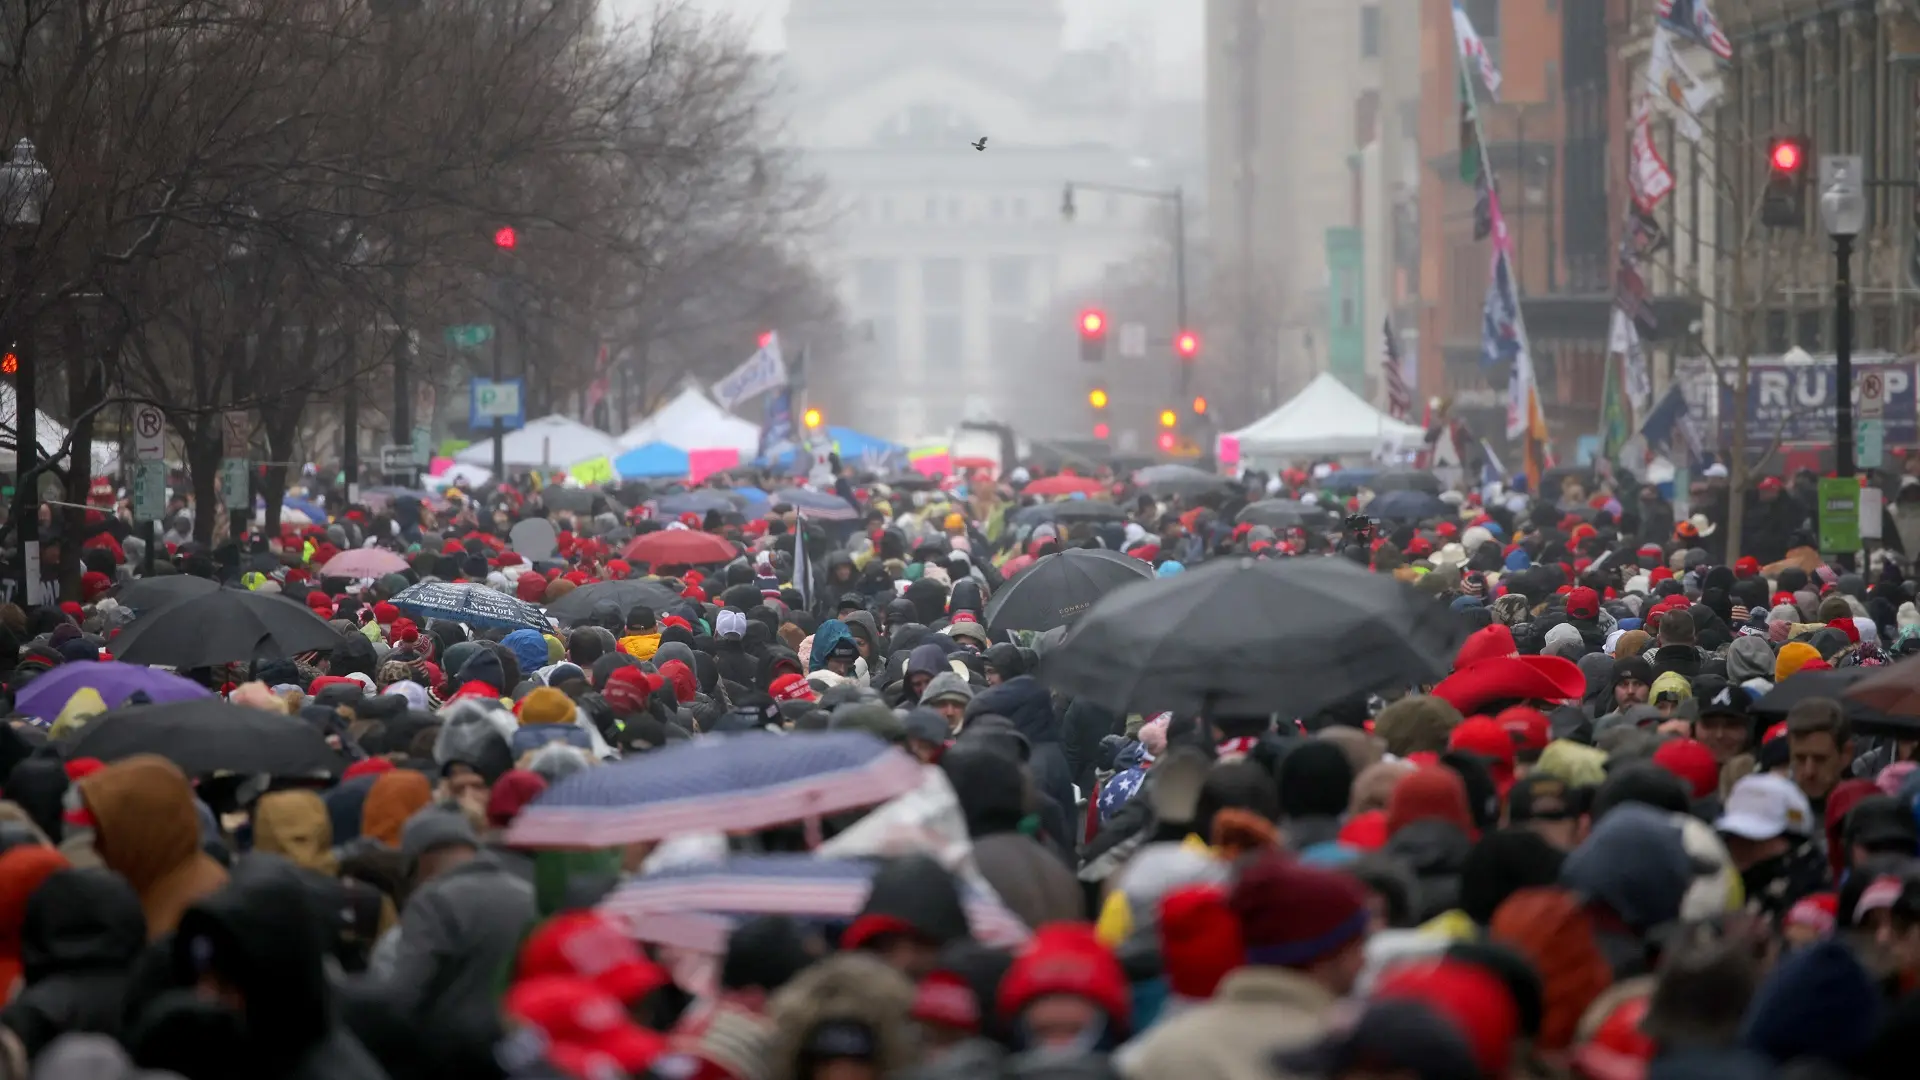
465	602
1404	505
693	502
735	783
818	504
653	459
751	494
697	907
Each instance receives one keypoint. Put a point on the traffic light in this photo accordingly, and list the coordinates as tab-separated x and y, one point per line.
505	238
1166	442
1100	430
1199	406
1097	398
1168	418
1186	345
1093	335
1784	206
812	419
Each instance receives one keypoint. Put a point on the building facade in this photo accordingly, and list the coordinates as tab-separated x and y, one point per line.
955	262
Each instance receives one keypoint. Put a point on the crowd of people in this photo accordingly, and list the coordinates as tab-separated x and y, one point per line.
1638	830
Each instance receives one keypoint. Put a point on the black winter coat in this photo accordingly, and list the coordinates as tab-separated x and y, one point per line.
1026	702
82	930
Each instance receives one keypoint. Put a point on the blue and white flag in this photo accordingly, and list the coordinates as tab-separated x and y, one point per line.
1694	21
776	429
759	373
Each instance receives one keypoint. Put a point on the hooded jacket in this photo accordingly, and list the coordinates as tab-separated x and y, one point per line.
83	931
147	831
263	935
457	933
849	987
828	637
1032	881
1026	702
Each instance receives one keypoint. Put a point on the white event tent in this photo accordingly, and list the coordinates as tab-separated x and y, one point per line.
551	442
1324	420
690	422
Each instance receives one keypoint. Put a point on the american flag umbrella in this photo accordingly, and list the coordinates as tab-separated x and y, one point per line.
733	783
680	547
819	505
465	602
697	907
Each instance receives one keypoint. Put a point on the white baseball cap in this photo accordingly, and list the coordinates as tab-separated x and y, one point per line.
1764	806
730	624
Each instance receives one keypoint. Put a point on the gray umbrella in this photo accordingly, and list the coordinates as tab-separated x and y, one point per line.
1061	587
1246	637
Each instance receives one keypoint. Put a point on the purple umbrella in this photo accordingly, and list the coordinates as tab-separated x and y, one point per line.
364	563
114	681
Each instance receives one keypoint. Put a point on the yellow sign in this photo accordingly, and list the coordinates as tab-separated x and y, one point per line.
594	471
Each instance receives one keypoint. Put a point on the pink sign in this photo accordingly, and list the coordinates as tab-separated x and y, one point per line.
704	463
1229	451
940	464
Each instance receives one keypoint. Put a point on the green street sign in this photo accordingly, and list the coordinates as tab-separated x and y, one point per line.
469	337
1839	515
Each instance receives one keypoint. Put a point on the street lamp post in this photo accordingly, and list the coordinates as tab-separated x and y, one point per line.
1177	197
24	185
1843	210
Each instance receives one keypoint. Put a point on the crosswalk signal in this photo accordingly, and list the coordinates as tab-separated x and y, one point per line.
1093	335
1784	205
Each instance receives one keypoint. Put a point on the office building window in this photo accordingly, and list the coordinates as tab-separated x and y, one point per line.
941	286
876	284
1010	281
942	345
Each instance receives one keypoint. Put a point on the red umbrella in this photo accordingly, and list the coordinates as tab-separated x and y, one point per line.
1064	484
680	547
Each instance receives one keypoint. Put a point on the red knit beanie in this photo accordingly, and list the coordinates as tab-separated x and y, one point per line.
1292	915
1199	940
1434	793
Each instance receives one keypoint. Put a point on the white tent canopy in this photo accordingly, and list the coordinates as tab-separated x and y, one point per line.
1324	419
691	421
551	442
48	434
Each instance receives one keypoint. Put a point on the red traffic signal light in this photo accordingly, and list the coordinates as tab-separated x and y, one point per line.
1093	335
1783	203
505	238
1100	430
1186	344
1093	323
1787	155
1166	442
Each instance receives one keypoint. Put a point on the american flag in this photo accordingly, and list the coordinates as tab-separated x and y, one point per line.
1399	394
697	907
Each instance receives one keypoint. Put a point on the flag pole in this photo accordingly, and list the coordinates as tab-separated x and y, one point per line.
1529	439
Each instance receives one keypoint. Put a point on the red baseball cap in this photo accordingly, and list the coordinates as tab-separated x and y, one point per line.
587	1029
588	945
1527	727
791	687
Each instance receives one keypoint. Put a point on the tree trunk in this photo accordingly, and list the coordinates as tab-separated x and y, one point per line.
203	449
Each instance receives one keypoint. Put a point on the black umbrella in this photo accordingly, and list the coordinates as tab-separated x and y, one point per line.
1246	637
1864	718
578	605
210	736
1068	510
142	594
1178	480
1284	514
222	627
1407	480
1404	505
1061	587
